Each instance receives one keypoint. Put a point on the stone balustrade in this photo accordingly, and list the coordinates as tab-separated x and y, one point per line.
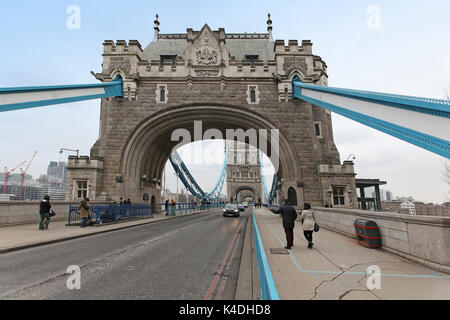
423	239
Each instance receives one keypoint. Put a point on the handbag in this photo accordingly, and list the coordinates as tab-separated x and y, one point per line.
316	226
52	213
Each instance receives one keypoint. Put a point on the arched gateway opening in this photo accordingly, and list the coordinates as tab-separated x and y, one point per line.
149	147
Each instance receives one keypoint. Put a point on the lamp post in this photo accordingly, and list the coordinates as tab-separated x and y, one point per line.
71	150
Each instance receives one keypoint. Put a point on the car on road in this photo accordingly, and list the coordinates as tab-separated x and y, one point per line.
241	207
231	210
245	204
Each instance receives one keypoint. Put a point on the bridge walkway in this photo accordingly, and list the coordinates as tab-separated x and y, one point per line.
336	268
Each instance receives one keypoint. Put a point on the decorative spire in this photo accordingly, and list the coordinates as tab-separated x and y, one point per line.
269	27
156	28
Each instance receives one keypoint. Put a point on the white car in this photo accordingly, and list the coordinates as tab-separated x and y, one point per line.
245	204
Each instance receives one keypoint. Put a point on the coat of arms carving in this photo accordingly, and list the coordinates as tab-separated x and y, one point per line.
206	52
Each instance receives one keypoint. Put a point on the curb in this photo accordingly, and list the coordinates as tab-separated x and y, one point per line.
244	282
43	243
248	280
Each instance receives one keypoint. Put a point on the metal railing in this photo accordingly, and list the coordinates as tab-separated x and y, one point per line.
186	208
266	282
111	213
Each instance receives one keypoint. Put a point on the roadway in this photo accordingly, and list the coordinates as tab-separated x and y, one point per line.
192	257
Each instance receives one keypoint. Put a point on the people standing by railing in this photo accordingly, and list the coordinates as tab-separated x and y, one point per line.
85	212
173	207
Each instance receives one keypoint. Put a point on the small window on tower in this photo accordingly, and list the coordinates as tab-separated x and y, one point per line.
252	95
318	129
163	94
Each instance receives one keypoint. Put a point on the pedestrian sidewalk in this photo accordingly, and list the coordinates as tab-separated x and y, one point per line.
24	236
336	268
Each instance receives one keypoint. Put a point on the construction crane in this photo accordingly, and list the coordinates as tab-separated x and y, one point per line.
8	173
23	174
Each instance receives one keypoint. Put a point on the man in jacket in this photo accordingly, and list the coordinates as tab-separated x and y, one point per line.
289	215
44	211
85	211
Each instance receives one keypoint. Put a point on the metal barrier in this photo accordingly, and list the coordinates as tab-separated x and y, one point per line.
111	213
186	208
266	283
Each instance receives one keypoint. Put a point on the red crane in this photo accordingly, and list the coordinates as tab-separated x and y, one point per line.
23	174
8	173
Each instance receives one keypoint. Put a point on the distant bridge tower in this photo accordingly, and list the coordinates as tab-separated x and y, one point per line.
243	172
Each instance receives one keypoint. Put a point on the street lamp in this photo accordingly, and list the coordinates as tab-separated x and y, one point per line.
71	150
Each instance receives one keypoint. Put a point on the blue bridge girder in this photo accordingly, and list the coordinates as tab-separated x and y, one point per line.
12	99
191	184
424	122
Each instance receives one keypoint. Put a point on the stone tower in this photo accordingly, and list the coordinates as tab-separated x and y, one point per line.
225	81
243	172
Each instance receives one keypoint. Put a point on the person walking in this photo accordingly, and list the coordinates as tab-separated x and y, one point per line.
307	218
166	207
44	211
289	215
85	212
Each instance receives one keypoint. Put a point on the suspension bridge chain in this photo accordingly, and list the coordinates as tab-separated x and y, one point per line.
191	184
424	122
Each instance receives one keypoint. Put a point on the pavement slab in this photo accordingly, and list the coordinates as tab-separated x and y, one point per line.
337	268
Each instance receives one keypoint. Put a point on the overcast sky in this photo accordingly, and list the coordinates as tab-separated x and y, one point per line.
405	51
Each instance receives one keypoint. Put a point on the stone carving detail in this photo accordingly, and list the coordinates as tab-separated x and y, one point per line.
120	63
206	52
223	85
206	74
303	67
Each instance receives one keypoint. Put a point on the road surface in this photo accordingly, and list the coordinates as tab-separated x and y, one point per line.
191	257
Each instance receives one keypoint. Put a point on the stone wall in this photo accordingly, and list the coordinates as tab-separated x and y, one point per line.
20	212
420	238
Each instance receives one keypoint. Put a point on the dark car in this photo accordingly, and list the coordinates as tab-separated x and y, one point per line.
241	207
231	210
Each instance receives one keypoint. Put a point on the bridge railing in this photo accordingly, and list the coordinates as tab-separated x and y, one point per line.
266	282
111	213
186	208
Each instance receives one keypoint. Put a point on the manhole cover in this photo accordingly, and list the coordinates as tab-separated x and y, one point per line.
278	251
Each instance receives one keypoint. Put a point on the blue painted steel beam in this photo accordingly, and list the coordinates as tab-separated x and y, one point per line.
269	195
191	184
429	127
31	97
